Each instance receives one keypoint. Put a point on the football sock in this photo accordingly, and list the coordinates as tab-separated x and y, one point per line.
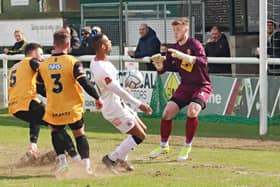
70	148
58	141
165	129
191	126
83	147
33	146
62	160
123	149
163	144
86	162
76	158
34	130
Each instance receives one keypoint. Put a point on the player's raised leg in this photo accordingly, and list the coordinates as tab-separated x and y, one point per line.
166	126
120	154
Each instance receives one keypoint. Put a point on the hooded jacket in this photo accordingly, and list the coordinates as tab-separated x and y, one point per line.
148	45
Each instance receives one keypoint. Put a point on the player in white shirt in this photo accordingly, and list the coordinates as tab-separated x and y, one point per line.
114	108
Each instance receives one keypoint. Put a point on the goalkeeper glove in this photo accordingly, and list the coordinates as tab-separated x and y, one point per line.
180	55
157	61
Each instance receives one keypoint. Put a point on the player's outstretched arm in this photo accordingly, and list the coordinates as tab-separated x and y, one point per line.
180	55
88	87
121	92
157	61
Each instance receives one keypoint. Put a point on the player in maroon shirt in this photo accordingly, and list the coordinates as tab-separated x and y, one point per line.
187	57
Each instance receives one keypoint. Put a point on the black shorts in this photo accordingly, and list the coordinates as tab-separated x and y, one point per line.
34	115
73	126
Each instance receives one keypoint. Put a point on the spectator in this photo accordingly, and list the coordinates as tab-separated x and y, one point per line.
273	46
87	35
95	30
148	44
19	46
75	41
163	49
218	46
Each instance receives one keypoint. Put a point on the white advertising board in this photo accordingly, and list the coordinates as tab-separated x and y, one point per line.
35	30
19	2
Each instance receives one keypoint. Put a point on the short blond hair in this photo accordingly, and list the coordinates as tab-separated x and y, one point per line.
181	21
61	37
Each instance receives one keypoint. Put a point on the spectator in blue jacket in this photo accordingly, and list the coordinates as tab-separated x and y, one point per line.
148	45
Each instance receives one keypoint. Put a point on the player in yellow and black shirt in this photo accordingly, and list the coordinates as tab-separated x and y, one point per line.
23	101
63	77
22	93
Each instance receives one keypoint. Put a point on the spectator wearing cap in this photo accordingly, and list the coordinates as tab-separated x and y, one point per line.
217	46
86	48
85	33
19	46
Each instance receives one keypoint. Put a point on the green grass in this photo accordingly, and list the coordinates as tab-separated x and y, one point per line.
219	157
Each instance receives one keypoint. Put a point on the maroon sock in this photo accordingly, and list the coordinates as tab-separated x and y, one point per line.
165	129
191	126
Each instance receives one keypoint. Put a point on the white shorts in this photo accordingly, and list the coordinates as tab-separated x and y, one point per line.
123	119
124	122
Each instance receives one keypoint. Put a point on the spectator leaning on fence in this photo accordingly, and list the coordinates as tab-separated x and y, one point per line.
217	46
148	44
19	46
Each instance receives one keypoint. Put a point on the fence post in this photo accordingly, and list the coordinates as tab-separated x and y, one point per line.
5	81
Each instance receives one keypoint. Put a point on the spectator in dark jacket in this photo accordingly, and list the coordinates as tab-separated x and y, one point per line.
218	46
273	46
75	41
148	44
86	48
19	46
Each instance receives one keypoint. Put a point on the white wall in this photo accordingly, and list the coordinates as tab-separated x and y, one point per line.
157	25
35	30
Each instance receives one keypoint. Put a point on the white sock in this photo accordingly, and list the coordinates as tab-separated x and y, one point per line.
62	160
123	149
164	144
188	144
76	158
86	162
34	146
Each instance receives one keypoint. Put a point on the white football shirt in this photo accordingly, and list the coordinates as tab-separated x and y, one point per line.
107	79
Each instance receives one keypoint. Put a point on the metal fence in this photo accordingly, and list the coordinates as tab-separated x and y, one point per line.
120	21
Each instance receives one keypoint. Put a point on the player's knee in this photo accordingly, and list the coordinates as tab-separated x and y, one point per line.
78	132
194	110
138	140
166	115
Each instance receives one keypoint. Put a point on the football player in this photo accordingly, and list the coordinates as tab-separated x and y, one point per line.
115	110
63	75
187	57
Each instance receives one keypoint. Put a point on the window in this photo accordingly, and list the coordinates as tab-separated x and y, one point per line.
57	5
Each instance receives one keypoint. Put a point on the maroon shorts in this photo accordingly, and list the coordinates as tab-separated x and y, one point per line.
184	95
